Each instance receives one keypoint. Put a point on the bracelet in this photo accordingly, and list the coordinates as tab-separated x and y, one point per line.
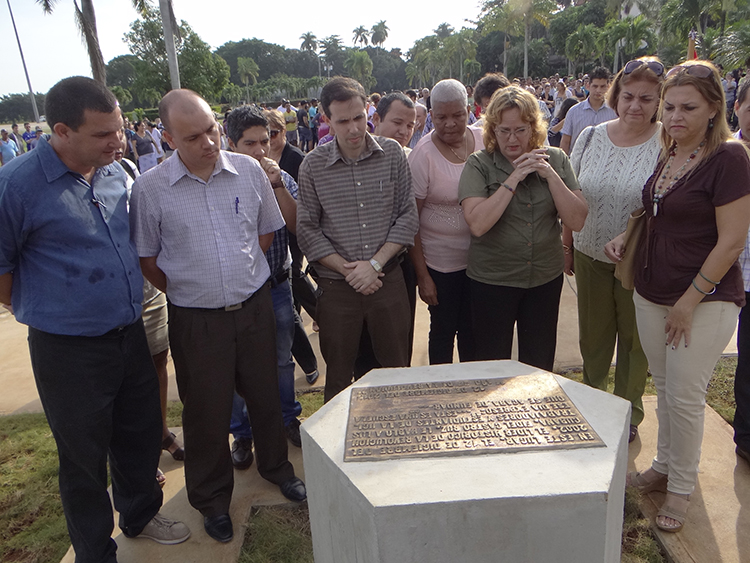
567	249
708	280
507	187
695	285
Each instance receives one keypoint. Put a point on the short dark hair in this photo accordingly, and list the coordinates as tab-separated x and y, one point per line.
742	93
242	119
14	125
488	85
341	89
71	97
385	103
600	72
412	94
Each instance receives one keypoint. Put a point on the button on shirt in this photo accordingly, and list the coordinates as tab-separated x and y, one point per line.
353	207
205	234
583	115
523	249
67	243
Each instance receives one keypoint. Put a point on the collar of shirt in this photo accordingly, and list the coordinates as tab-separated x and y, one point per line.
54	168
587	105
371	146
177	169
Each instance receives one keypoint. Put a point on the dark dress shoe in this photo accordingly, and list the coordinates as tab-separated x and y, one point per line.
219	527
294	489
242	453
292	432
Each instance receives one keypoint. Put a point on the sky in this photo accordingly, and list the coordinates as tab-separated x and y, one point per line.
53	49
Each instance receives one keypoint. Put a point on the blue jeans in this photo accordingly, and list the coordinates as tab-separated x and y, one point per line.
290	407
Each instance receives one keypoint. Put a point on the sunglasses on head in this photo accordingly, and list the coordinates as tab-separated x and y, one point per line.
655	66
697	70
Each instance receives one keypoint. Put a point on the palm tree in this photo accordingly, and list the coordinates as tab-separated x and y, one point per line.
248	70
361	36
379	33
330	46
412	71
502	17
638	31
581	43
359	66
309	41
472	68
443	31
86	22
529	11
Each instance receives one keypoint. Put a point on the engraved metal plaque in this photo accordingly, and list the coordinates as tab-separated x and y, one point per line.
526	412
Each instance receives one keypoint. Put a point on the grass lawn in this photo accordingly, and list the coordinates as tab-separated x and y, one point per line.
32	525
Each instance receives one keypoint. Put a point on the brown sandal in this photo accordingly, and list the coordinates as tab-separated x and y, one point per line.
640	480
168	442
675	507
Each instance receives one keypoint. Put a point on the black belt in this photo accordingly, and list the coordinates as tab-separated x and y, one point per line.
279	278
235	307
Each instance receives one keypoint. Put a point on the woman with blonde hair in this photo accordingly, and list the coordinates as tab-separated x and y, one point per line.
688	283
513	193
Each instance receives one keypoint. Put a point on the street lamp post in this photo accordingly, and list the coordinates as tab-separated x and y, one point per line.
23	61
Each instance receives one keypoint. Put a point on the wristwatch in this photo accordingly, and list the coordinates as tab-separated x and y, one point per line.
279	184
376	265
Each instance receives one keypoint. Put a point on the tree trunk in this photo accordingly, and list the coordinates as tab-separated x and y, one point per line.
165	7
87	24
527	26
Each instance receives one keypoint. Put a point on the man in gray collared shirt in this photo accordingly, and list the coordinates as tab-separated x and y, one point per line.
592	111
355	215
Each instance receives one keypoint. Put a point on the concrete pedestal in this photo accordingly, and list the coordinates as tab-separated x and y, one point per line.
530	506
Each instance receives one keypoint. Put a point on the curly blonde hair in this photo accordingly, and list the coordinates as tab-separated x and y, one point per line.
514	97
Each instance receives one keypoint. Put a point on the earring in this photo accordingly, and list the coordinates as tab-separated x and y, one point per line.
711	123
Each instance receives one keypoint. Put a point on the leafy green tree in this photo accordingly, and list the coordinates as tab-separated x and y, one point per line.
17	107
379	33
123	95
121	71
201	70
232	93
361	36
359	66
734	49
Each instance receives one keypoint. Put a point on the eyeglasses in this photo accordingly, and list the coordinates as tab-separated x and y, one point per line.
655	66
274	133
505	133
697	70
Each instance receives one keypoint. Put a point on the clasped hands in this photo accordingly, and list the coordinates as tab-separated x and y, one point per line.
533	161
363	277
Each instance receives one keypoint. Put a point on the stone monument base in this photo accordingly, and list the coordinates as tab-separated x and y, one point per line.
529	505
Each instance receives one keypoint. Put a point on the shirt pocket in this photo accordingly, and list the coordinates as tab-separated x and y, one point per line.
244	212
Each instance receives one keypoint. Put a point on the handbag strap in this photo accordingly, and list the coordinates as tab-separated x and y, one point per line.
585	146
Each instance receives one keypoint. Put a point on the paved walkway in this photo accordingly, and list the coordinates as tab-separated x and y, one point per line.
719	515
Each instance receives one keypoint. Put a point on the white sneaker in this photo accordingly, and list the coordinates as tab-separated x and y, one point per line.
165	531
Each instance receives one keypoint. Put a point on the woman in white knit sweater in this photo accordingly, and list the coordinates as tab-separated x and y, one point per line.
613	161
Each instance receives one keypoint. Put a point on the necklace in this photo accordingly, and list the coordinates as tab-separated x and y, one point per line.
660	191
466	149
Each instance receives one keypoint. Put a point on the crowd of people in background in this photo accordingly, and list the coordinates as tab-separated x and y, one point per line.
477	198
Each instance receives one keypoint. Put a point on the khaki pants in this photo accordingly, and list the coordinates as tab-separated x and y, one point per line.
681	377
606	315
